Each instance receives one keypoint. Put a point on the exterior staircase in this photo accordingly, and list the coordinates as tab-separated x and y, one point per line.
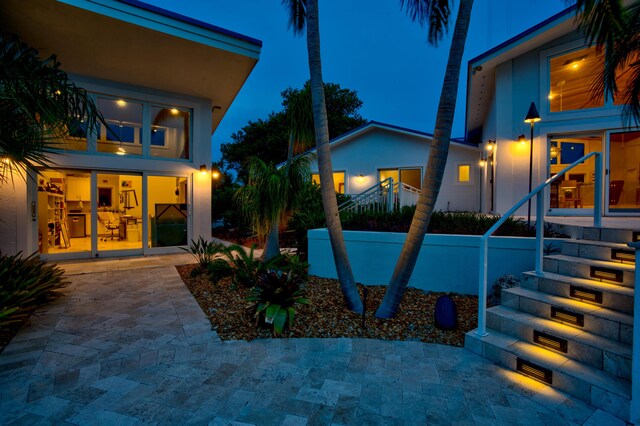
571	327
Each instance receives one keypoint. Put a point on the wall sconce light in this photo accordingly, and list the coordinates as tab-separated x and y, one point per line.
522	139
491	144
203	168
482	162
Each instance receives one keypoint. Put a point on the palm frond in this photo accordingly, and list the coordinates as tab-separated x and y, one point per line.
434	14
297	10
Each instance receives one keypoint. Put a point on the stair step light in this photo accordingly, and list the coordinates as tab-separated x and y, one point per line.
623	255
607	274
585	294
567	317
534	371
550	341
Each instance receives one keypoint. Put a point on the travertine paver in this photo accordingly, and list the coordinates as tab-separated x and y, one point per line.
128	344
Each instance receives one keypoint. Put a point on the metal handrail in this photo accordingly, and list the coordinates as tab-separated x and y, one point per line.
376	191
539	192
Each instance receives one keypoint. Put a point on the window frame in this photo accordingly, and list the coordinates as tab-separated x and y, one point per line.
545	56
471	173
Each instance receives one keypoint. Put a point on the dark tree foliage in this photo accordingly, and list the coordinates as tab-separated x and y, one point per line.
268	139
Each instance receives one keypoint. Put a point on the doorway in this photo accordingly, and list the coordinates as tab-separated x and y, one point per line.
622	191
573	193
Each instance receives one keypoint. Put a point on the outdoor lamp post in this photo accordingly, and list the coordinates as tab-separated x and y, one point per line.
532	118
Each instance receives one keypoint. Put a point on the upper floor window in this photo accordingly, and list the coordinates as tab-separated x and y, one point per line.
166	134
571	77
570	80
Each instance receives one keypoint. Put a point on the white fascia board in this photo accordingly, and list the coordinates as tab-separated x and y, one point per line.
167	25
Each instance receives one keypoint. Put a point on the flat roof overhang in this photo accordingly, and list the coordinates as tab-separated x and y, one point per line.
123	42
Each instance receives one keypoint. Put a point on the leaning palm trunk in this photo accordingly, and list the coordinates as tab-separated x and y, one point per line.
329	201
272	244
435	168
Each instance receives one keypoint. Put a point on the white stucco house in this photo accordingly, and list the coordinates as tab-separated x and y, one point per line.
550	64
142	184
376	151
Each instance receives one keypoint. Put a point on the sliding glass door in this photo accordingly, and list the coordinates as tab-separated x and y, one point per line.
622	189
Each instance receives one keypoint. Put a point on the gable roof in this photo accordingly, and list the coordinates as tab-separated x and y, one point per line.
481	69
373	125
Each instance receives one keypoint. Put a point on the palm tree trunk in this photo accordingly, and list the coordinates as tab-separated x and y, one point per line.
435	168
272	245
329	201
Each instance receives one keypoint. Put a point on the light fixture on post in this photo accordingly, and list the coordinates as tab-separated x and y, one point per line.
531	118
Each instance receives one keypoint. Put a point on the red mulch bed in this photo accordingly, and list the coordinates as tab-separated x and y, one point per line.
326	315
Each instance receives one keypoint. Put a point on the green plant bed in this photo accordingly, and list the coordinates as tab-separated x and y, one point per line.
26	283
459	223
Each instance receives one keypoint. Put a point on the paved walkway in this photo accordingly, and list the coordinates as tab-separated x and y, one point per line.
128	344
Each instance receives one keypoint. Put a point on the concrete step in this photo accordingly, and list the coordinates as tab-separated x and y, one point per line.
599	250
601	353
614	325
612	235
612	272
584	382
614	297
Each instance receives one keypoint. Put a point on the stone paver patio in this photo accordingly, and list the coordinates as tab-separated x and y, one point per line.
128	344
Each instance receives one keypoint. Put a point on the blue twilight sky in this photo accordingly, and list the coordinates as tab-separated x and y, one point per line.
368	46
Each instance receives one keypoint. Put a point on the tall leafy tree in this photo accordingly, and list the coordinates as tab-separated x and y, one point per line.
615	29
305	13
268	138
435	15
39	107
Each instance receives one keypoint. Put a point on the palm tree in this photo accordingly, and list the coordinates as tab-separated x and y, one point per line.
39	107
268	194
301	13
616	29
434	14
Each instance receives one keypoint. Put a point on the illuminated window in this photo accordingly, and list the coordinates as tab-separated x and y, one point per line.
338	181
464	173
570	80
624	79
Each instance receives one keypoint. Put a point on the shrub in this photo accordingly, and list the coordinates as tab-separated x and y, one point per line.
505	281
275	298
462	223
204	252
25	284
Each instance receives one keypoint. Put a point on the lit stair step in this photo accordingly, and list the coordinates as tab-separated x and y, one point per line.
614	296
599	352
604	322
584	382
598	250
585	268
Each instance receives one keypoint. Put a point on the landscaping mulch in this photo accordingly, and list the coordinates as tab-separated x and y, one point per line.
326	315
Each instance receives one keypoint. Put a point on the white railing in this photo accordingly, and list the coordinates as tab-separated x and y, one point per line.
540	204
407	195
385	196
635	357
377	198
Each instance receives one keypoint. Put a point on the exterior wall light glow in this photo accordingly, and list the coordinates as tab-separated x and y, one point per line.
203	168
491	144
121	103
522	139
215	175
174	111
